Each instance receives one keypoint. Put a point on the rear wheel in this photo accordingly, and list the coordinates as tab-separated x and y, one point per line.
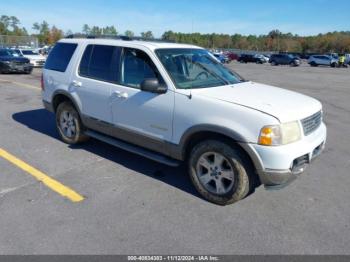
220	173
69	125
273	63
313	63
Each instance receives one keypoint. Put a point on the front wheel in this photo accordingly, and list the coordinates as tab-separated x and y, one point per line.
69	125
220	173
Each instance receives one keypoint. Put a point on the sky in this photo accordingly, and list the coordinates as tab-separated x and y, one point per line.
303	17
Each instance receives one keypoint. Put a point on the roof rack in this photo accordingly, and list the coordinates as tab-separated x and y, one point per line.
119	37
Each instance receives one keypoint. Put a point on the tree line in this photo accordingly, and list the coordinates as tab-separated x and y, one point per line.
273	41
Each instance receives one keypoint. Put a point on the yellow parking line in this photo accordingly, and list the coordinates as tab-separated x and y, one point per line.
48	181
20	84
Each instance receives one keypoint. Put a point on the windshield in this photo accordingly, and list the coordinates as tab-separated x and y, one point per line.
14	53
5	52
29	52
195	68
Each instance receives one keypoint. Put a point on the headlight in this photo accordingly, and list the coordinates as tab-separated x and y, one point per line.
280	134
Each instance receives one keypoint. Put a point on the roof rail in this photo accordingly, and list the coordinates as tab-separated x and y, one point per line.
119	37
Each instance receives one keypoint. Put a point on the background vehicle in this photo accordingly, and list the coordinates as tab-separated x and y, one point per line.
11	63
36	59
231	56
347	59
261	58
325	60
251	58
222	58
284	59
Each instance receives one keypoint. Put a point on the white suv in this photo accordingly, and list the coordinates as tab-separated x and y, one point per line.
174	102
316	60
36	59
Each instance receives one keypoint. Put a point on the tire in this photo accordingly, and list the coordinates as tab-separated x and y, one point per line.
273	63
313	64
69	125
211	182
334	65
293	63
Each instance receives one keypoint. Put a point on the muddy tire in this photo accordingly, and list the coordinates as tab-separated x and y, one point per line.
69	125
220	172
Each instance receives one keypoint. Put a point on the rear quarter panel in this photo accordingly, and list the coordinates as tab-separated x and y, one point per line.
61	81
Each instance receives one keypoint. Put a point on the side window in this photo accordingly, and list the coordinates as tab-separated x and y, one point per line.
60	57
137	66
101	62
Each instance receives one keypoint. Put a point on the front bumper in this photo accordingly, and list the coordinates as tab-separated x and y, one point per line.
277	179
14	68
37	63
277	166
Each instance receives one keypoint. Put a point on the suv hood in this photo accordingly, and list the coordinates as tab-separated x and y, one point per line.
282	104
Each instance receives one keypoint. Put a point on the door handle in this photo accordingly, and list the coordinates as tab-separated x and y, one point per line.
76	83
124	95
121	94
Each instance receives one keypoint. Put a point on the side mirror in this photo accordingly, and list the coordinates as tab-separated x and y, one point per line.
152	85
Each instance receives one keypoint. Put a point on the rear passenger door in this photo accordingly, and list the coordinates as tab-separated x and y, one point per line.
319	60
324	60
278	59
97	73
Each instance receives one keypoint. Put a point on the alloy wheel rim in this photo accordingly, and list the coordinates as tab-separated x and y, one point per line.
67	124
215	173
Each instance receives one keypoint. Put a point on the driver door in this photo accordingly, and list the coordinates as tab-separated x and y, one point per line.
142	117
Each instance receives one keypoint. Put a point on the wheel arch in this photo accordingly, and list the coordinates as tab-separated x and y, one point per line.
61	96
197	134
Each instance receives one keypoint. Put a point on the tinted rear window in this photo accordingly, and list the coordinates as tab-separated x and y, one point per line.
101	62
60	56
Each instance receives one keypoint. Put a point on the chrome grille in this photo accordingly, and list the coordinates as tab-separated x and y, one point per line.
311	123
18	63
40	62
